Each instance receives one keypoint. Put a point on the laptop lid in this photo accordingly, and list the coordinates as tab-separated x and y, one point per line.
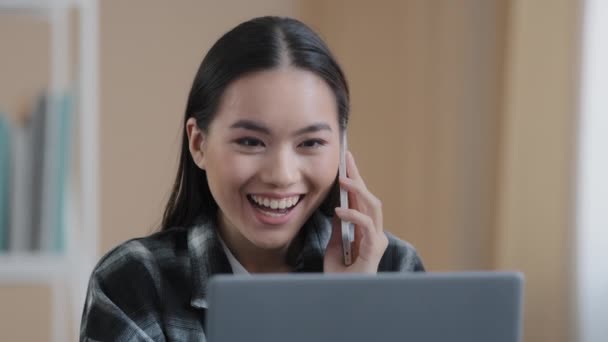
430	307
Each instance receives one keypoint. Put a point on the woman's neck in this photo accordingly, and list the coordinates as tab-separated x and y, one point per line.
253	258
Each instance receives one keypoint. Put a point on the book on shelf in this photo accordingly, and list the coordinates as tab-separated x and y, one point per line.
38	122
21	187
53	235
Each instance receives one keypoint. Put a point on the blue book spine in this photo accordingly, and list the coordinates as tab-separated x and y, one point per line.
64	134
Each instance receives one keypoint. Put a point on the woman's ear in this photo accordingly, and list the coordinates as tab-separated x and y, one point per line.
196	142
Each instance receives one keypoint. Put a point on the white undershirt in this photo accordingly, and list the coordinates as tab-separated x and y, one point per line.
237	268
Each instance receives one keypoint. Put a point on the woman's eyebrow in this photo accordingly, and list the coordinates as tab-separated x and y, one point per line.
313	128
254	126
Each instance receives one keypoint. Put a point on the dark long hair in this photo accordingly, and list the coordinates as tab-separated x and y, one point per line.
258	44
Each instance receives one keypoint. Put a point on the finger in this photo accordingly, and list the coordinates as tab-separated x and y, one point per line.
368	243
351	168
360	220
366	202
353	173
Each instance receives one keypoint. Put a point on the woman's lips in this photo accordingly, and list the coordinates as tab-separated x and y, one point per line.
273	216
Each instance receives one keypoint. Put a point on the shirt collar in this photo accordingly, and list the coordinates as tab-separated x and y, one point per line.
207	256
237	267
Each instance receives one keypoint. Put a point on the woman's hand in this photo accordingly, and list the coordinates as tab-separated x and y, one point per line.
365	213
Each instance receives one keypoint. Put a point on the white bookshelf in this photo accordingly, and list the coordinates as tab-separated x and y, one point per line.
27	5
67	273
31	268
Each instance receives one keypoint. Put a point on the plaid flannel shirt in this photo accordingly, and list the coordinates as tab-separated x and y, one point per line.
154	288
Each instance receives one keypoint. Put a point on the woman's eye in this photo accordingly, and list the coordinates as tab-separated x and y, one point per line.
313	143
250	142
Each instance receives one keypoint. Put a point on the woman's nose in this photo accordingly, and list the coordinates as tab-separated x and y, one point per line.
281	170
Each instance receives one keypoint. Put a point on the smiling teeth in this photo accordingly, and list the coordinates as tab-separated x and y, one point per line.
284	203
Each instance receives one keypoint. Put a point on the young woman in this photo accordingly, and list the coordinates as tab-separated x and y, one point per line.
255	190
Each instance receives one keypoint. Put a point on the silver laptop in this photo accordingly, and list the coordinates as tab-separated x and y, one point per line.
426	307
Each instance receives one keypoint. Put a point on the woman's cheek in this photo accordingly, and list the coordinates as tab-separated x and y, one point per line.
324	169
241	167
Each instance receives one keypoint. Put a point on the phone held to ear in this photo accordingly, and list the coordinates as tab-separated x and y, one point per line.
348	230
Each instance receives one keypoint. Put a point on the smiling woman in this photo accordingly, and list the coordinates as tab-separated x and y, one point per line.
255	190
275	138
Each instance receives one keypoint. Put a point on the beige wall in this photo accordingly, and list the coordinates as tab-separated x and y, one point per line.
535	231
461	123
24	313
24	67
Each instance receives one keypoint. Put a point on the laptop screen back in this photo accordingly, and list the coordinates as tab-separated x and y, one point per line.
471	307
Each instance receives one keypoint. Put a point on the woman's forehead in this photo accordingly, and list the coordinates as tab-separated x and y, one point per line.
279	97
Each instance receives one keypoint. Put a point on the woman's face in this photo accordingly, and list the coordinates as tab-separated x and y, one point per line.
271	154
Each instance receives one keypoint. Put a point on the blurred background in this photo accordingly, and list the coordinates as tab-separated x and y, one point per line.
478	123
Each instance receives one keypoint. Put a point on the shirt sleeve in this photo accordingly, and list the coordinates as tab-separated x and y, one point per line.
122	302
400	256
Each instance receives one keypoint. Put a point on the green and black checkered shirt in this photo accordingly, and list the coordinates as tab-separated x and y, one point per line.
154	288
